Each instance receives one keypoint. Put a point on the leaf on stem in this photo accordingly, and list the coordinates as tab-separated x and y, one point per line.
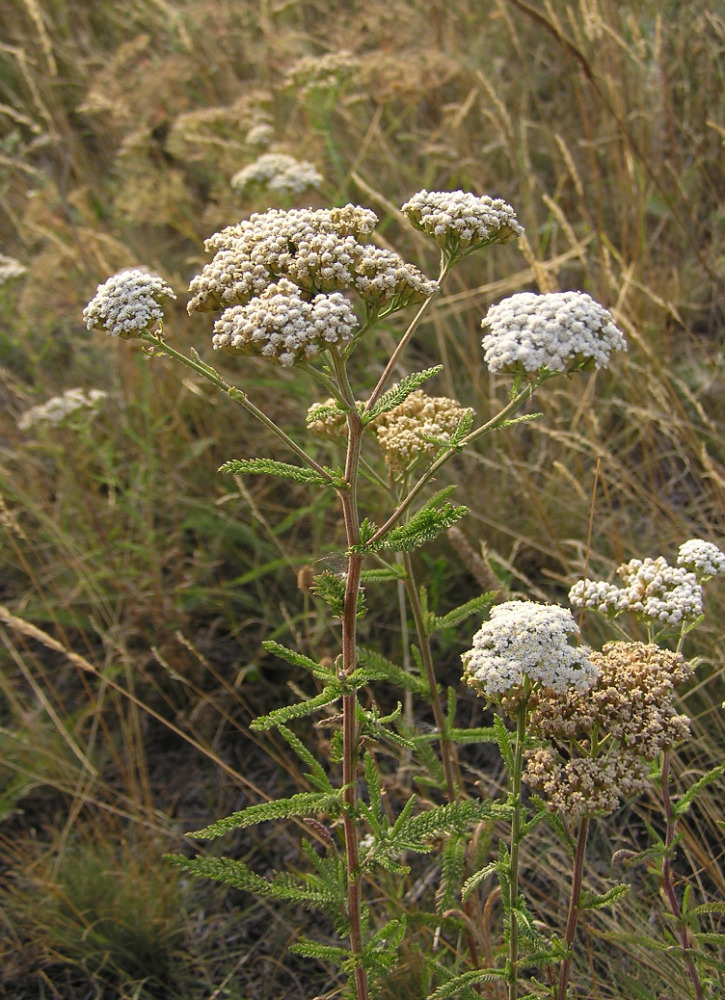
400	392
268	467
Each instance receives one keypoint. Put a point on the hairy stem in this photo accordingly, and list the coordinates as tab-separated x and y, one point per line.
351	516
666	879
573	916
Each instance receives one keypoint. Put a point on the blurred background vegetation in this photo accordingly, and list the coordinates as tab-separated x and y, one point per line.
137	583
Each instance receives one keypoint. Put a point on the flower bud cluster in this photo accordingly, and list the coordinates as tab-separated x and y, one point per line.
416	428
523	640
555	332
278	172
55	410
461	222
655	592
127	304
630	708
281	325
703	559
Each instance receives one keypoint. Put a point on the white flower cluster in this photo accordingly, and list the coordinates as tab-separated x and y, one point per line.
461	222
127	303
321	252
703	559
55	410
556	332
278	172
260	134
324	72
415	428
653	591
10	269
524	639
279	324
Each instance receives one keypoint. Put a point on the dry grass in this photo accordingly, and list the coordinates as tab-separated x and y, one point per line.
120	128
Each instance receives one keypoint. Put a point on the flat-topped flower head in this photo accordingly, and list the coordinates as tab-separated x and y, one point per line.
704	559
385	282
278	172
417	428
283	326
655	592
127	304
461	222
554	332
323	73
523	640
317	249
58	408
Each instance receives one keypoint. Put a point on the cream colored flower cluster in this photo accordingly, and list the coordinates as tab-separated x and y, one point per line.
555	332
704	559
308	255
461	222
325	72
522	640
10	269
631	708
56	409
278	172
653	591
281	325
415	429
127	304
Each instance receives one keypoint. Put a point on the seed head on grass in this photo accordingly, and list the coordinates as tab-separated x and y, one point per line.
127	304
555	332
522	640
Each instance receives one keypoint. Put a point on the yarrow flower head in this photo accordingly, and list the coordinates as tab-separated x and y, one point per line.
523	640
703	559
10	269
56	409
282	325
417	428
322	253
278	172
632	708
127	304
461	222
655	592
324	72
554	332
328	420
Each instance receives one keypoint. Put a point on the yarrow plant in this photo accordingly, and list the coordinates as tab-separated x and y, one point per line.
277	172
58	409
301	289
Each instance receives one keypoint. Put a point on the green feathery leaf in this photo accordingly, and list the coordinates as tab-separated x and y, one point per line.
433	518
302	804
375	667
268	467
459	614
299	660
453	862
684	802
594	901
400	392
298	710
463	986
317	774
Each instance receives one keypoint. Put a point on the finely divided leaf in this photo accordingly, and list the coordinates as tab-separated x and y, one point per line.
400	392
268	467
302	804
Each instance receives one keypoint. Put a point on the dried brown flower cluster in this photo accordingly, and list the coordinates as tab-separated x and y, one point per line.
416	428
603	739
